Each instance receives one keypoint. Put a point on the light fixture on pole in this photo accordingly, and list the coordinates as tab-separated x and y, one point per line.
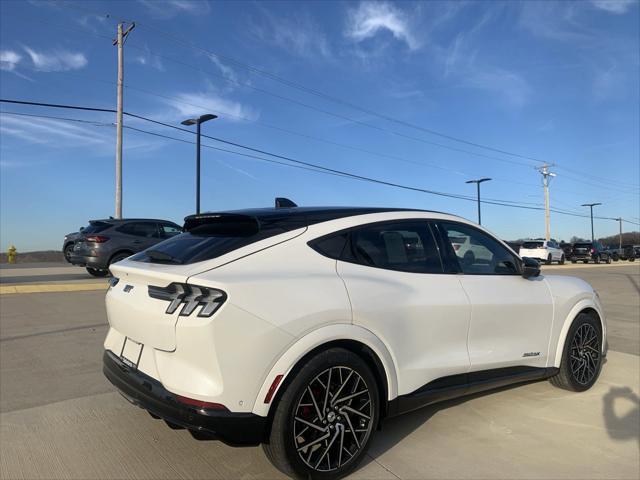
197	122
478	182
591	205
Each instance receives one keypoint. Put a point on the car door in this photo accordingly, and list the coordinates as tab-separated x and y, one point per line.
399	291
511	316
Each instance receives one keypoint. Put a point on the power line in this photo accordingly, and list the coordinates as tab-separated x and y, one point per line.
146	50
310	166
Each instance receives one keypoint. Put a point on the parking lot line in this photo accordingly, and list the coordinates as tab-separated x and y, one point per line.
57	287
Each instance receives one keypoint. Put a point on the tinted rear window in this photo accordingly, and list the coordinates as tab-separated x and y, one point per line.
532	244
96	227
581	245
212	238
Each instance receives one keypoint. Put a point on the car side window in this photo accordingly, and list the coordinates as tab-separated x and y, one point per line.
406	246
478	253
167	230
139	229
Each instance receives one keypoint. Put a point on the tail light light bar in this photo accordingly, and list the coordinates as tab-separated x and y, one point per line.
190	297
96	238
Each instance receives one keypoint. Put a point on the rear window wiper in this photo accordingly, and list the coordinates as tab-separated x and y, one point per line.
161	256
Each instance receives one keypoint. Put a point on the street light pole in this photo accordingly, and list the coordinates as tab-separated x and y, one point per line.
591	205
197	122
478	182
619	220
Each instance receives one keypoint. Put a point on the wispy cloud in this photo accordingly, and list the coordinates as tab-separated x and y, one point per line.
9	60
463	63
56	60
225	69
193	104
171	8
618	7
370	18
54	133
299	34
609	84
146	58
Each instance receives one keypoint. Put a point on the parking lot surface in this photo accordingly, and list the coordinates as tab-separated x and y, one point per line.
61	419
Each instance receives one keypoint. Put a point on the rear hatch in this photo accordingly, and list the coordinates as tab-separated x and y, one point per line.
209	241
582	248
90	236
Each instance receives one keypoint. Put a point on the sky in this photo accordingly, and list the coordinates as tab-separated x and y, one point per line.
426	95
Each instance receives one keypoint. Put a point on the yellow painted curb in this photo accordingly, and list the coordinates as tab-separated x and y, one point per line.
52	287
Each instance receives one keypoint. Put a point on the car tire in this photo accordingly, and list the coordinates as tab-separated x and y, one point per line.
574	261
581	359
67	252
549	260
561	261
97	272
302	402
596	259
608	259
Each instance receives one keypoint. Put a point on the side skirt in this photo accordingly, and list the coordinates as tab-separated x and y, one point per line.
455	386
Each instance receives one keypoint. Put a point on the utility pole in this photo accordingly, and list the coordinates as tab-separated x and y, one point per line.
591	205
119	41
546	175
619	219
478	182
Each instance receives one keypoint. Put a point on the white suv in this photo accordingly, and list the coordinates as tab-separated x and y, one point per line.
547	251
303	328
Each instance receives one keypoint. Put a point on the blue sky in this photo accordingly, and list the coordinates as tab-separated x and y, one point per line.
545	80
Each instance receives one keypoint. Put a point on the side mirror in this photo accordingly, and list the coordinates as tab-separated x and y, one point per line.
530	267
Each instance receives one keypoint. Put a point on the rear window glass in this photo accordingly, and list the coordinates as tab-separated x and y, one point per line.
581	245
532	244
210	238
96	227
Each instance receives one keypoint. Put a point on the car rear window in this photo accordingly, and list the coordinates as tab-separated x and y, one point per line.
581	245
532	244
96	227
209	237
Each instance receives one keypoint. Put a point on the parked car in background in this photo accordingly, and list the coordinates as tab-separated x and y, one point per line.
303	328
566	249
589	251
546	251
69	241
105	242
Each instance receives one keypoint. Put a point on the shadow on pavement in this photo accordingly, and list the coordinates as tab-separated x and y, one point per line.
627	426
395	429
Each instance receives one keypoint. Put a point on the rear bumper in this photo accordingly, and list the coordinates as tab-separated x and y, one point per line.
85	261
236	429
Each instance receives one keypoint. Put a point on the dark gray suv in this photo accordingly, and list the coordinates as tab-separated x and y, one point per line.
105	242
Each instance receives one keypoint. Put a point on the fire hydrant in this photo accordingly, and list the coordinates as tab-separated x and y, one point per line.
11	254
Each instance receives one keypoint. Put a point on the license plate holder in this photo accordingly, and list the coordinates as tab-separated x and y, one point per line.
131	353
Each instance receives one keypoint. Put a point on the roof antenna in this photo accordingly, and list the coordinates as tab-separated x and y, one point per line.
282	202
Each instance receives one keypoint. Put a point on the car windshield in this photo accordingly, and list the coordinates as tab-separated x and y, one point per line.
532	244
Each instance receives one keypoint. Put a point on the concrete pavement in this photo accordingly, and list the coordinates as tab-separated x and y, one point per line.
61	419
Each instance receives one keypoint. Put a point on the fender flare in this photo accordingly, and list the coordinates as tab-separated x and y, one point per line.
317	338
585	303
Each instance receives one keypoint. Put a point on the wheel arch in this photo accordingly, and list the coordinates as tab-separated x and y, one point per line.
585	306
119	252
356	339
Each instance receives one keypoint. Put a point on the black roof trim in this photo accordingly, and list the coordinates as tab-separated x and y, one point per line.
297	217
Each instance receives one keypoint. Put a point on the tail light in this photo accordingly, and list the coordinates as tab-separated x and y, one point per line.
190	297
96	238
593	250
200	403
